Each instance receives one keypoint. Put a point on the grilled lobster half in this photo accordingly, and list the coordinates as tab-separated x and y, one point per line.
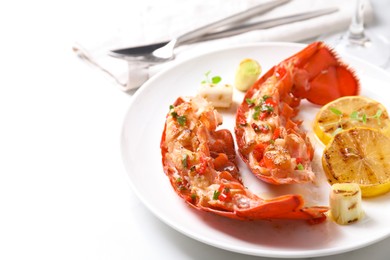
269	140
200	163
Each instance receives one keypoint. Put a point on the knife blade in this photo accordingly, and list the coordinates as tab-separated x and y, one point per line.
235	30
269	23
194	35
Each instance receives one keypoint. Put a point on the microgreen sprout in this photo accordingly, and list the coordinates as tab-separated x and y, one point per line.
339	122
211	80
338	130
336	111
356	116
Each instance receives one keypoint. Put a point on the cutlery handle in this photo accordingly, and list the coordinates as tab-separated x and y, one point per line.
261	8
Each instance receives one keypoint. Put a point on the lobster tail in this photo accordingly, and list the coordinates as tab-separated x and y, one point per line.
200	163
280	152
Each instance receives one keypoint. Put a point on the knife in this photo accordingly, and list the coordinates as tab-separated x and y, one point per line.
231	31
194	35
274	22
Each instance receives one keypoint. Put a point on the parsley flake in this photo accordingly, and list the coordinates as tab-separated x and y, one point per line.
250	101
300	167
184	160
181	120
256	114
216	195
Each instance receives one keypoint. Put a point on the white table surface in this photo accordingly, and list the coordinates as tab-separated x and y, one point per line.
64	192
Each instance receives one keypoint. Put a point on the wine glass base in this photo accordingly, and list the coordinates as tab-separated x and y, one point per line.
372	47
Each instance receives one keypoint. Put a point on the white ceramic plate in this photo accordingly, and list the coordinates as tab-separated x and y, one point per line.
143	126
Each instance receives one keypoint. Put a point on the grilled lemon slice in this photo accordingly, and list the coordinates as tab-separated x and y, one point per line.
359	155
348	112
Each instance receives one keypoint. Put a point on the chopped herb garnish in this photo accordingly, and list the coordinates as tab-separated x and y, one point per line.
256	113
250	101
300	167
193	197
267	108
184	160
216	195
181	120
265	97
178	180
171	107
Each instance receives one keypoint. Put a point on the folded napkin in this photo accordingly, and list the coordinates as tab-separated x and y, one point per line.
154	21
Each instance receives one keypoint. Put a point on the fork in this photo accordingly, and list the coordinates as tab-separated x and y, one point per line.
164	51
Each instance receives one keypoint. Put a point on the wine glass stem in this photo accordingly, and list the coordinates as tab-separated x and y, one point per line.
356	29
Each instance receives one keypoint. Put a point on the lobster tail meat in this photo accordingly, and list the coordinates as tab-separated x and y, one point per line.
269	139
200	163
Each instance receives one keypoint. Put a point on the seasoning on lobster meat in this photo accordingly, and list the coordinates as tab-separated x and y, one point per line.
269	140
200	163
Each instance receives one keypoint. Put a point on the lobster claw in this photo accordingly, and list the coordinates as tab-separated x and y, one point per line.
320	77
